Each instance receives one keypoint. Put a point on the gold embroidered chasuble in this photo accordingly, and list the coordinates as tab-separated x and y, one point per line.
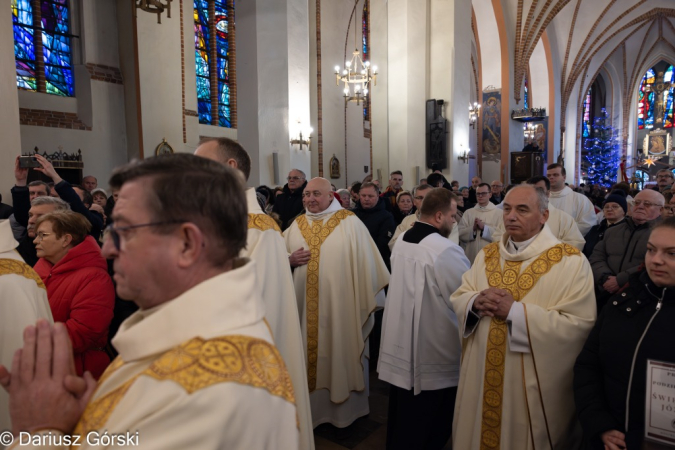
196	372
336	292
554	283
266	247
23	300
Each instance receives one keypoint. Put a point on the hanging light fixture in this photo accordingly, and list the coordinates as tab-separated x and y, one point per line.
356	75
155	7
474	109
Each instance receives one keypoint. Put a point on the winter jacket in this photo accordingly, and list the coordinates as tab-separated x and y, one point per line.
289	205
595	235
82	296
620	252
603	368
380	224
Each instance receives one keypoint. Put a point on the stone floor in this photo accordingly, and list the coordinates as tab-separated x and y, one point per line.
366	433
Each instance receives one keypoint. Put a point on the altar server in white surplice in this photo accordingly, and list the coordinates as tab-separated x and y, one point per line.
339	278
561	224
265	245
479	223
525	309
420	349
576	205
23	300
197	365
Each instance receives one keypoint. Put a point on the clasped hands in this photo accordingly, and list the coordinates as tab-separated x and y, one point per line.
44	390
493	302
478	225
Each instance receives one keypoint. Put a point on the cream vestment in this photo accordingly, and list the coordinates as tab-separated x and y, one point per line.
474	242
23	300
337	293
536	346
576	205
265	245
197	372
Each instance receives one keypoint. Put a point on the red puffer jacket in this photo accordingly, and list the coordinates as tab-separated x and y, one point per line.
82	296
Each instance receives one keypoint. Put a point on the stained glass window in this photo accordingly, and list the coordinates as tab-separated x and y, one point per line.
53	73
210	59
526	101
669	77
646	101
587	114
365	33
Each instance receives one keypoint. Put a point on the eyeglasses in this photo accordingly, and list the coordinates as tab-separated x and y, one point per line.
482	193
115	231
419	197
646	204
40	236
294	178
497	185
664	176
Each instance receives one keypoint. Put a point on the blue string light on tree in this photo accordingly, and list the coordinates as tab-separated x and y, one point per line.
602	152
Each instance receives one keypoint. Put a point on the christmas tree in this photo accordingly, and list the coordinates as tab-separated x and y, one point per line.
602	152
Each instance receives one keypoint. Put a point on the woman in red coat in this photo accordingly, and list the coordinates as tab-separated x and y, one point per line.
79	289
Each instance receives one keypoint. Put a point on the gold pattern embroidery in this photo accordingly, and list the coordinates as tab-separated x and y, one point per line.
14	267
315	236
518	285
198	364
262	222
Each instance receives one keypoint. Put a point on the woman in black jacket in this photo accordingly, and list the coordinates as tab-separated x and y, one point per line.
636	325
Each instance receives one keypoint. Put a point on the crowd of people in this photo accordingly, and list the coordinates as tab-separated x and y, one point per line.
184	307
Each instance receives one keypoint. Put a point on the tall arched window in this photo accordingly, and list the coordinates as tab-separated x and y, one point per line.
587	114
42	47
365	31
646	101
526	96
212	58
669	77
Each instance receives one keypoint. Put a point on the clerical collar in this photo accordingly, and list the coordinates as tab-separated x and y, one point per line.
334	207
516	247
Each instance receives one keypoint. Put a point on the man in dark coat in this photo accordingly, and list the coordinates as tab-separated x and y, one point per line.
5	210
288	204
372	211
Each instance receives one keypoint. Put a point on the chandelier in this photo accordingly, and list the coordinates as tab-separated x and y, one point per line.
474	109
356	75
155	7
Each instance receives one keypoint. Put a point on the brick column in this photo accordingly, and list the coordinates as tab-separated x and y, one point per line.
39	49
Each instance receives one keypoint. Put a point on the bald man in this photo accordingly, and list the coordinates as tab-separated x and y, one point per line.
622	250
265	245
339	278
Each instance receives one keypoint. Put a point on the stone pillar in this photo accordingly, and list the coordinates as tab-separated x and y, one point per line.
9	113
273	85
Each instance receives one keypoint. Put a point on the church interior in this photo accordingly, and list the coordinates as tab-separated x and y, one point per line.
462	84
345	89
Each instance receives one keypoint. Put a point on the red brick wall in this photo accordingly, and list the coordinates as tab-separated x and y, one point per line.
53	119
105	73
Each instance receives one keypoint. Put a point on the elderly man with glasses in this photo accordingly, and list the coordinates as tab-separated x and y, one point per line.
664	180
288	204
497	196
622	250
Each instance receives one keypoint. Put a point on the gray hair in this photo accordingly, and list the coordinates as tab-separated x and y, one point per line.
542	198
59	205
298	170
421	187
342	191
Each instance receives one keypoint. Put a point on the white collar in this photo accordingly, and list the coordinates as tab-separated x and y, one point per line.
516	247
562	193
334	207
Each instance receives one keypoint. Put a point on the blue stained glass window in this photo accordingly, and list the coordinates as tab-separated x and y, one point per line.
366	52
587	114
526	101
646	101
205	55
668	103
54	42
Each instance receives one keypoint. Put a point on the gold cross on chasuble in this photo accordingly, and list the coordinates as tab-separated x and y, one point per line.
518	285
315	236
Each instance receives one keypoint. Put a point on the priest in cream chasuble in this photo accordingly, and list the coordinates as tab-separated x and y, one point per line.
339	278
525	309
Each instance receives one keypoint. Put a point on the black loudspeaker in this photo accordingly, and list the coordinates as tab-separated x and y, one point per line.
525	165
